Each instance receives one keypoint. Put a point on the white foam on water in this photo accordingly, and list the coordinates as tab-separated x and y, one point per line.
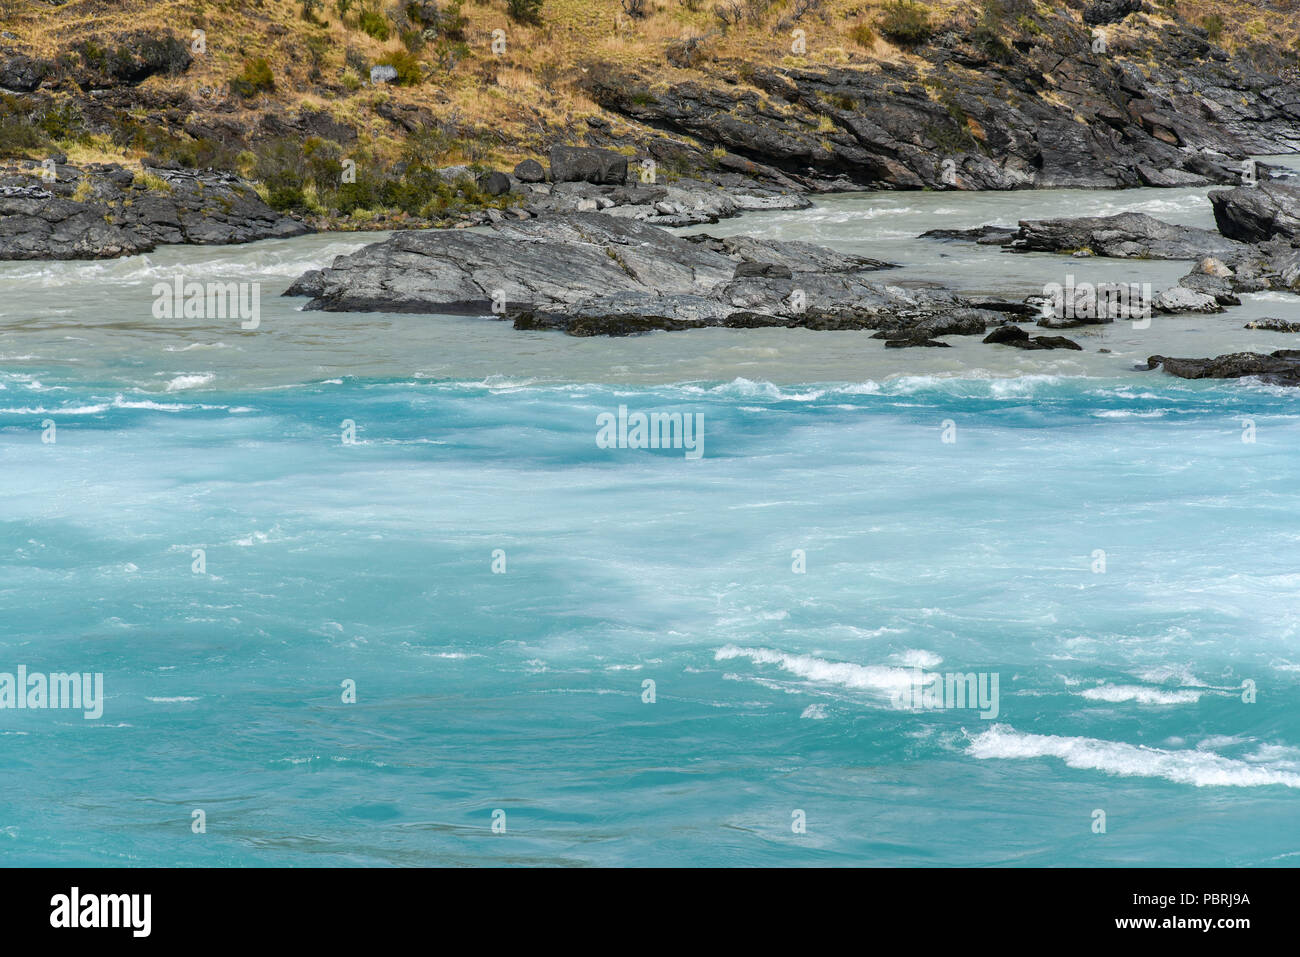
1163	674
196	345
918	658
120	403
69	410
749	388
1115	694
182	382
841	673
1198	768
1273	295
815	712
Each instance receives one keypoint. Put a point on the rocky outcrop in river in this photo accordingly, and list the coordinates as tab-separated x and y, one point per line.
1124	236
61	212
592	274
1276	368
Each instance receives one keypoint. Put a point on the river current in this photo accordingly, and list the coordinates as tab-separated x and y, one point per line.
367	588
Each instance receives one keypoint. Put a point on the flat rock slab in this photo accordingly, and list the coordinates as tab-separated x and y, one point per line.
553	261
594	274
1125	236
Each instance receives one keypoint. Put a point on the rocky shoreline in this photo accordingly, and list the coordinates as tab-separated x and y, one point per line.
56	211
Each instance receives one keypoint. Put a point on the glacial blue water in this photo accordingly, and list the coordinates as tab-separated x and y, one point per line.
522	691
1119	548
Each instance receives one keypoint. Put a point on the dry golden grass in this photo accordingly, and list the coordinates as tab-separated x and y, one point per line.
516	103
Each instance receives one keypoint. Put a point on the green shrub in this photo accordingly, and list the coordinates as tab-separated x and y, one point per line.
406	64
255	78
61	121
282	169
371	21
905	23
18	137
453	24
1213	25
988	34
525	11
863	35
286	197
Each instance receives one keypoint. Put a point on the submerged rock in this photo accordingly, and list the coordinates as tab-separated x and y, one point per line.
1012	335
1273	325
1277	368
981	235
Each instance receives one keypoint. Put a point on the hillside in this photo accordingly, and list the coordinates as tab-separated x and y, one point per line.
813	94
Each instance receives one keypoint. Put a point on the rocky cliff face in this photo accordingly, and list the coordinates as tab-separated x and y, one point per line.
1126	100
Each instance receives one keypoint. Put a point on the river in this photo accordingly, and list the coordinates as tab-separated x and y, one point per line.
633	656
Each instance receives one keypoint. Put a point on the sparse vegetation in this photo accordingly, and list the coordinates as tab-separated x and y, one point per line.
406	64
862	34
525	11
372	22
254	79
905	23
281	60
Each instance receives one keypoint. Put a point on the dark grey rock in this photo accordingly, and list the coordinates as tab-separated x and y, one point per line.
1125	236
530	171
1255	214
771	270
587	164
23	74
115	218
595	274
494	183
1277	368
1109	11
1012	335
1273	325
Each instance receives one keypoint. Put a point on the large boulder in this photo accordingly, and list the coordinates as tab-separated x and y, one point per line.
585	164
494	183
530	171
1254	214
1269	265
